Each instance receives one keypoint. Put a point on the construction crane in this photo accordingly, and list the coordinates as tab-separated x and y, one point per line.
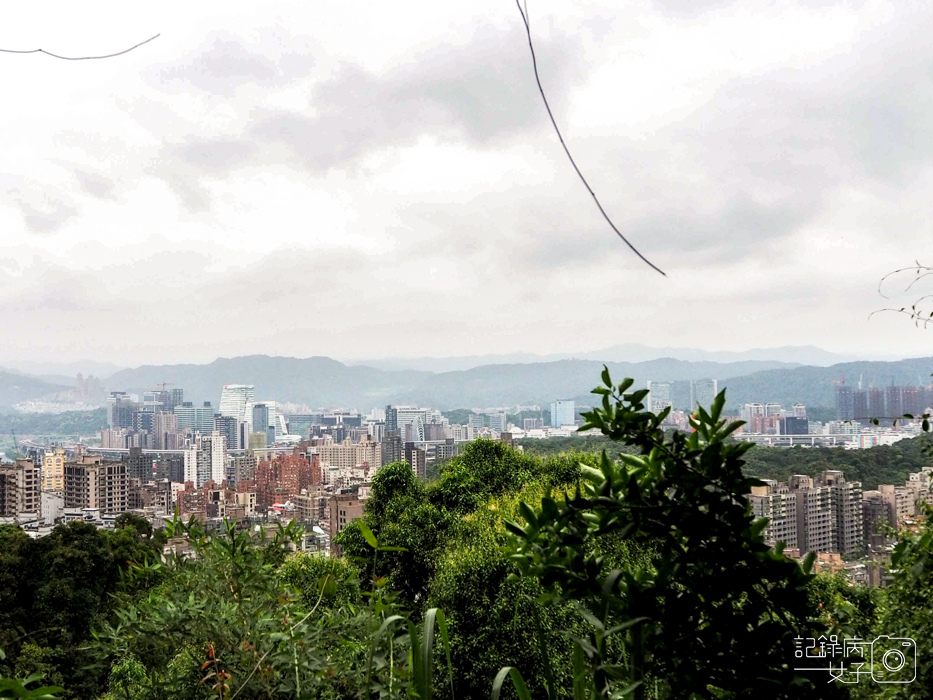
165	384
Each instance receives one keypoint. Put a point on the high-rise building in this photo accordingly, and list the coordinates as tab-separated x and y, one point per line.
229	427
241	468
816	523
660	396
235	398
53	470
393	447
170	467
775	502
899	501
416	458
267	417
532	424
893	404
120	409
750	411
703	393
19	488
876	407
279	478
93	483
475	421
165	431
800	411
410	421
844	407
795	426
195	419
301	423
860	405
876	512
139	465
343	509
846	505
347	455
206	460
497	422
377	430
829	512
910	400
177	399
563	412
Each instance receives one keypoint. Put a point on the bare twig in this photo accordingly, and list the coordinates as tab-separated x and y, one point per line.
550	114
83	58
919	315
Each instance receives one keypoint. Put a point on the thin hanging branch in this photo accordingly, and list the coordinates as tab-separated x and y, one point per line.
921	310
83	58
550	114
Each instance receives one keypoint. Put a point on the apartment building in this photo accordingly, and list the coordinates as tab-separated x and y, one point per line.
775	502
822	515
816	525
343	509
846	504
93	483
19	488
53	470
347	455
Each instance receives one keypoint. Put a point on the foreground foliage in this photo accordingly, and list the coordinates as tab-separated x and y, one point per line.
718	612
635	573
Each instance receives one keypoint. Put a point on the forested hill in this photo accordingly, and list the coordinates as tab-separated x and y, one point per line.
17	387
885	464
815	386
70	423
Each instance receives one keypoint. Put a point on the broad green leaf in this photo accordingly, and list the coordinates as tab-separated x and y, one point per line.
368	534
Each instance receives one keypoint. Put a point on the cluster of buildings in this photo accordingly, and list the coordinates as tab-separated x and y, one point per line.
771	424
830	515
247	460
862	404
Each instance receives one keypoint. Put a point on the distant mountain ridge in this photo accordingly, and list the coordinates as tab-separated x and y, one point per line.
627	352
15	388
324	382
816	386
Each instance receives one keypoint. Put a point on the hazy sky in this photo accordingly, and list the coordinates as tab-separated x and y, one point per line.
376	179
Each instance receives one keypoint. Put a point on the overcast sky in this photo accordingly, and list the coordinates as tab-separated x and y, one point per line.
380	179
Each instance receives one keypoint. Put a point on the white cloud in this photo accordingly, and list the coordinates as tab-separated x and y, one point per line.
308	179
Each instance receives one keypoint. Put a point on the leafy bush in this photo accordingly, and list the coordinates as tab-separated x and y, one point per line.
717	612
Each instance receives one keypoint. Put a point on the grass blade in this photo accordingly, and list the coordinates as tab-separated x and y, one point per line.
517	681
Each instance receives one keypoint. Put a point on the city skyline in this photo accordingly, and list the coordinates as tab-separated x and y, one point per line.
278	168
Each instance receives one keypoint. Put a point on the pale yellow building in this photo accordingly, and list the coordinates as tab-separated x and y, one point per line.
53	471
347	455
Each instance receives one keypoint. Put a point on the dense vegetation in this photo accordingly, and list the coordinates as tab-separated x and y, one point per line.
885	464
55	590
633	574
70	423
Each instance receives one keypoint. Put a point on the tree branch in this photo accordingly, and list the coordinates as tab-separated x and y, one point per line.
550	114
82	58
